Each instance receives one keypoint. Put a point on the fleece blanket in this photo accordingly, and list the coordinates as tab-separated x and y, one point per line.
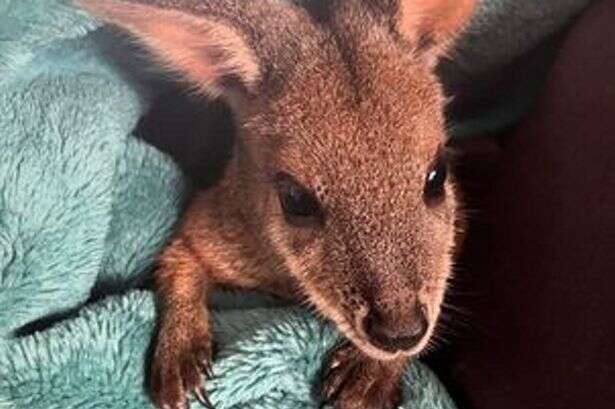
85	206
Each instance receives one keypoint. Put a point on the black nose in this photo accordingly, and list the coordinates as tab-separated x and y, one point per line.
397	332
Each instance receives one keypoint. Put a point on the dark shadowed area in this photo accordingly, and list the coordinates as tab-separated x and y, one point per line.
536	281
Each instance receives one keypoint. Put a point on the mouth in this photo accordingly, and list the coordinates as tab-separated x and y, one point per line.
379	349
395	347
352	328
382	352
389	351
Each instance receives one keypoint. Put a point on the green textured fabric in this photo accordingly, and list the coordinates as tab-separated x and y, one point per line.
84	208
268	358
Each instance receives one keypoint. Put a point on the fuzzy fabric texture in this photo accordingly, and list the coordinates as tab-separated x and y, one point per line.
268	358
85	206
502	60
502	30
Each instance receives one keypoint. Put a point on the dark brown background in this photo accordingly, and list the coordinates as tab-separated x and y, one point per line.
536	279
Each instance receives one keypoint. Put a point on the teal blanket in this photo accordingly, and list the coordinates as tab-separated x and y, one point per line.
85	206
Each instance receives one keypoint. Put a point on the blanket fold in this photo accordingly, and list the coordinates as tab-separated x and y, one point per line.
268	357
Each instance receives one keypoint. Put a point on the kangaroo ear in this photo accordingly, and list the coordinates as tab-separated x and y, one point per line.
433	24
211	54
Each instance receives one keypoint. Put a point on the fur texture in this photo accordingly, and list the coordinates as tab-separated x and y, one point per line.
315	99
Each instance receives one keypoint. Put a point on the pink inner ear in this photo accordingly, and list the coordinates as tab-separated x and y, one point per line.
439	19
201	49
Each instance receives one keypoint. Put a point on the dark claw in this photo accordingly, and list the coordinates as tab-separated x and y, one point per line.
334	364
337	372
206	369
331	388
352	380
336	377
203	358
201	396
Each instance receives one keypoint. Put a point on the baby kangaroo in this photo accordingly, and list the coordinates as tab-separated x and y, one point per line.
337	191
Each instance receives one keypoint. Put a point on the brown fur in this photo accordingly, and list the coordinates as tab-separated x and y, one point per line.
347	103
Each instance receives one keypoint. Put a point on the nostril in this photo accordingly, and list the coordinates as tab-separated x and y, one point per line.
372	324
420	324
395	335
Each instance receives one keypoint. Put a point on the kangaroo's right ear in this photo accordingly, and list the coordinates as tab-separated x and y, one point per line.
210	43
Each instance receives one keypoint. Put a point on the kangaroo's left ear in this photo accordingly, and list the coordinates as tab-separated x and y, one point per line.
433	25
225	48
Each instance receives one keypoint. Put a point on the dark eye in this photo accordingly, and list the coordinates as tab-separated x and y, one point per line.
434	181
298	203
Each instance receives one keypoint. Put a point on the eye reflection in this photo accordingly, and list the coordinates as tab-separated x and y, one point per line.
435	179
297	202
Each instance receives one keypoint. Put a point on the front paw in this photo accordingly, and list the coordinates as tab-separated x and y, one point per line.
181	363
354	381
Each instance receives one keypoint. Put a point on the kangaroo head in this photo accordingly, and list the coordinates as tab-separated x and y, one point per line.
341	122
